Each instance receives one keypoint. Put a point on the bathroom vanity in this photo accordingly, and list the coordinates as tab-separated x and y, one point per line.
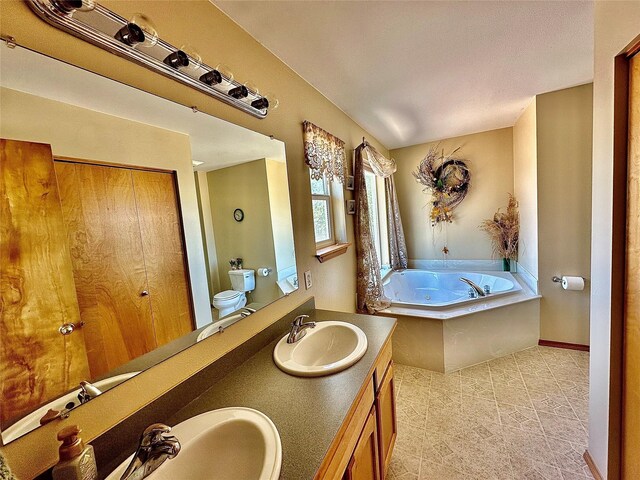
337	426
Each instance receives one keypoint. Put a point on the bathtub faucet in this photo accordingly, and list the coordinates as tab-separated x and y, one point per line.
479	291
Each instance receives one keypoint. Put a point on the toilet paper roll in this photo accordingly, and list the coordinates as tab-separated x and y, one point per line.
573	283
264	272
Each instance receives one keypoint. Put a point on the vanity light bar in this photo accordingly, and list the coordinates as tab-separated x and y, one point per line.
108	30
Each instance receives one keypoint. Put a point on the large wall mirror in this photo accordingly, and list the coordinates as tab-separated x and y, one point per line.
131	227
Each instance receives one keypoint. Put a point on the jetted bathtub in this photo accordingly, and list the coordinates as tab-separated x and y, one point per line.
441	289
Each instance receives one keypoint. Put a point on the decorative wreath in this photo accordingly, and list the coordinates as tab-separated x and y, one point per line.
447	179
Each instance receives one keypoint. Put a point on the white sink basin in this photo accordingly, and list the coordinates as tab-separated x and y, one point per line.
32	421
216	327
226	444
328	348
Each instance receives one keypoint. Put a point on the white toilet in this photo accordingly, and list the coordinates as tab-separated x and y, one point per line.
229	301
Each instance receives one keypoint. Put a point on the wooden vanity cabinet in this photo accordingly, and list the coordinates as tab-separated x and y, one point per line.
365	460
387	424
363	448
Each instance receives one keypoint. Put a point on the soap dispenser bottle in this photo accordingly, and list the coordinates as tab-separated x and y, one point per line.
77	461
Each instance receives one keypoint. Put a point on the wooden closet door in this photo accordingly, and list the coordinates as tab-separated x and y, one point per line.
162	243
631	389
37	291
101	217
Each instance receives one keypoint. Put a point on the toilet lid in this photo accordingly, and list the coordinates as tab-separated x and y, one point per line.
227	295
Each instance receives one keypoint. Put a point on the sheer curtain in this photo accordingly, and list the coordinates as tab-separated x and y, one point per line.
370	295
397	244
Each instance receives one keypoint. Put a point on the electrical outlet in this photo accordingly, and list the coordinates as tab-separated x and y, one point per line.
308	283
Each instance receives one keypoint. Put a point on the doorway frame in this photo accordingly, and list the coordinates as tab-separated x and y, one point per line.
618	258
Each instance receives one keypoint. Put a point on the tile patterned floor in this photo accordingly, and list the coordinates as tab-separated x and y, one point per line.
523	416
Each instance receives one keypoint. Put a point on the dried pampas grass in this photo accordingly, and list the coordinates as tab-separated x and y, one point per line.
504	230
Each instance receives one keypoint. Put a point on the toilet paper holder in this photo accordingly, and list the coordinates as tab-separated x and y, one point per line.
264	271
556	279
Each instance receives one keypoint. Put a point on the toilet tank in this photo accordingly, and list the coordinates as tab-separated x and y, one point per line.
242	280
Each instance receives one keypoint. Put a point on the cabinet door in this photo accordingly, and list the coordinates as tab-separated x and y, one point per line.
387	427
162	243
100	212
365	463
37	291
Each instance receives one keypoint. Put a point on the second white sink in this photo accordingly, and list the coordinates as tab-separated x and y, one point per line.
328	348
32	420
225	444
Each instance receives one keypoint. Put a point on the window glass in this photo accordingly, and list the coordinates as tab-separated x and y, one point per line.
322	219
319	187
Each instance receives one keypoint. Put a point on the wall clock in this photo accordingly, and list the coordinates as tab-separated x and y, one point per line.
238	214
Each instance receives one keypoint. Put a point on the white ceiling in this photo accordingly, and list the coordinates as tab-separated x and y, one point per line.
416	71
214	142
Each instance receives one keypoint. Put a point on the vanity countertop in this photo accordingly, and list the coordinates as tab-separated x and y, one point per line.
308	412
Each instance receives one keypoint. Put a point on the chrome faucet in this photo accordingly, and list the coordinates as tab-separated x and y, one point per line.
87	392
299	328
154	449
246	311
479	291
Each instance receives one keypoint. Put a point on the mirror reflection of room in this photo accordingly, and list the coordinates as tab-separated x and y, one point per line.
115	252
252	210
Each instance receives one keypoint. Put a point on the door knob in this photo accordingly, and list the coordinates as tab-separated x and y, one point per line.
68	328
144	293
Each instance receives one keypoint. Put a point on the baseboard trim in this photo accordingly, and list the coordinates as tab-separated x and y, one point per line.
570	346
592	466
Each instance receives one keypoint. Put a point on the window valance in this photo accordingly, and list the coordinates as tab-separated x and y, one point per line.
324	153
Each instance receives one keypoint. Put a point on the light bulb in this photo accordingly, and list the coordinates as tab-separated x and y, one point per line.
195	60
252	88
273	100
148	27
227	75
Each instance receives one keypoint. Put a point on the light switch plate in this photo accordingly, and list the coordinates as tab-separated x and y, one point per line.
308	282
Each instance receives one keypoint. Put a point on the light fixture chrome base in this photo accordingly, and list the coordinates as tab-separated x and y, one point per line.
99	27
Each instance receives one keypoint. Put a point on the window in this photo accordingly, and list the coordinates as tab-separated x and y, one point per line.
376	200
322	214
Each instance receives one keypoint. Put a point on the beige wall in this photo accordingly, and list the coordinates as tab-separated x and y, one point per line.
243	186
489	156
203	25
208	236
564	133
525	186
616	25
80	133
280	207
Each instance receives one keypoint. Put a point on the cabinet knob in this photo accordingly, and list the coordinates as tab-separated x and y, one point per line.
68	328
144	293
